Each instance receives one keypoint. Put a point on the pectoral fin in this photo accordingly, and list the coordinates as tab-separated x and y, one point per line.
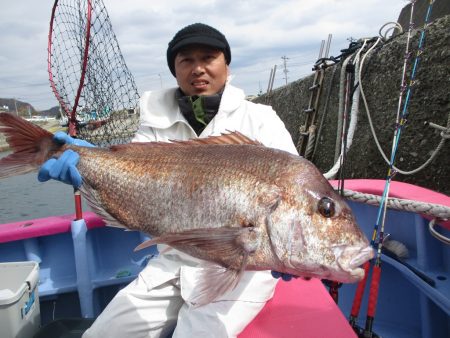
213	281
229	247
226	241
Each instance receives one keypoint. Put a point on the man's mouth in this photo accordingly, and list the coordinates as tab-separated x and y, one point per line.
199	84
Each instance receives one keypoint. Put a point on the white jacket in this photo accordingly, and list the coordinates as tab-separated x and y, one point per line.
161	120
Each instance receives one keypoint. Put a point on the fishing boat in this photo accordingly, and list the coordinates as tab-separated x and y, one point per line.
69	269
60	272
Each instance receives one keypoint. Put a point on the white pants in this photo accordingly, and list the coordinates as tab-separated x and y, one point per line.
156	303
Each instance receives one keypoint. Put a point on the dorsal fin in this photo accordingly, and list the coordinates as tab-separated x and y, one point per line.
234	137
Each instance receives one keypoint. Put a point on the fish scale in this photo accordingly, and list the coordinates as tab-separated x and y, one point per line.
187	173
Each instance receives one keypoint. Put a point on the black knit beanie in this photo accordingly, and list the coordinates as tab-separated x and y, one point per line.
197	33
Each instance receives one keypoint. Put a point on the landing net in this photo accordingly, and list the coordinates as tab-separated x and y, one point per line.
88	74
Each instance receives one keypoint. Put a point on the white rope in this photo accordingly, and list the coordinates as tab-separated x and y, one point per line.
311	141
342	85
354	112
444	137
394	26
372	129
341	106
436	234
428	209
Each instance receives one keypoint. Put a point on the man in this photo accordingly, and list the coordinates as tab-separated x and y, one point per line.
204	104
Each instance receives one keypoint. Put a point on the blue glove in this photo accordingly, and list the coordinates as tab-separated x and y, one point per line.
62	138
64	168
284	276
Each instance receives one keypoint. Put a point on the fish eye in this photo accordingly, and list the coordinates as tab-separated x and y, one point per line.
326	207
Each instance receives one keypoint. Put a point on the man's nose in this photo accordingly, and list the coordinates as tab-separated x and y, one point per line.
199	68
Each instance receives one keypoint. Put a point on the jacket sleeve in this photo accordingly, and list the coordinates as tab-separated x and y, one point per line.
273	133
144	134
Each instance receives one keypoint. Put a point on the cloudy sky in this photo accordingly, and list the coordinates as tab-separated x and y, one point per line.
260	33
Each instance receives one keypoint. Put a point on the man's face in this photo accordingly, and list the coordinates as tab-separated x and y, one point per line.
200	70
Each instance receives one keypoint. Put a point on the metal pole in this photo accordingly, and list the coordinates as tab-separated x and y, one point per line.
270	80
327	49
322	44
273	77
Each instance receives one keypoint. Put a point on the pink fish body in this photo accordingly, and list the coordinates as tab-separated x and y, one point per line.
226	199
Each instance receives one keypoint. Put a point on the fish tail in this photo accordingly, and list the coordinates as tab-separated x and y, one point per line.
31	145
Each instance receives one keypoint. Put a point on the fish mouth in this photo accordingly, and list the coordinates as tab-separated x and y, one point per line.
350	259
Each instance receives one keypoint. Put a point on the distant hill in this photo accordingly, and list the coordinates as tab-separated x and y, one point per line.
54	111
25	109
13	105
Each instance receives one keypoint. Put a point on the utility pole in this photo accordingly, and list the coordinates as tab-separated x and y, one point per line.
285	71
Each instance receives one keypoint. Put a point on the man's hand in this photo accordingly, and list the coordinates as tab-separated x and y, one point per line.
63	138
64	168
284	276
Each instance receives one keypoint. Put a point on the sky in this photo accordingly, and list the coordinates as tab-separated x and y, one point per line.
260	33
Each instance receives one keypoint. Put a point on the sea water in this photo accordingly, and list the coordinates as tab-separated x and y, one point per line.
24	197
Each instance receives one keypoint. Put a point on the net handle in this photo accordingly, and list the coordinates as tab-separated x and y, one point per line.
70	112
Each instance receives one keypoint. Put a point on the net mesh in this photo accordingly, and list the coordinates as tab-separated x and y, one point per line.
88	74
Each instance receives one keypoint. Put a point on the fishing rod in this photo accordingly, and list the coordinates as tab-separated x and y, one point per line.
351	87
400	123
356	306
362	284
333	286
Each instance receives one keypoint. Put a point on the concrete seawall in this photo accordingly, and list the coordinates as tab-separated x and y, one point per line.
381	79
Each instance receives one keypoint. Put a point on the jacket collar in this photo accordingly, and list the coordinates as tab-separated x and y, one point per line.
159	109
